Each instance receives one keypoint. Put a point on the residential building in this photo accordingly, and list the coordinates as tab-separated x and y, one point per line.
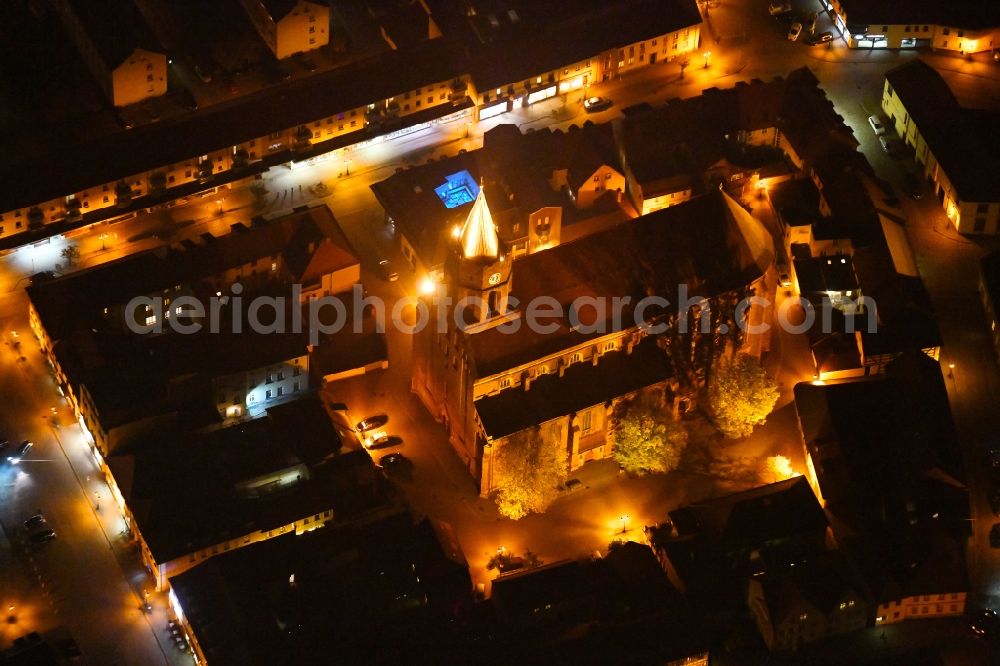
815	600
525	52
115	377
711	547
290	26
892	479
961	27
956	148
989	292
468	376
147	166
117	46
190	495
388	586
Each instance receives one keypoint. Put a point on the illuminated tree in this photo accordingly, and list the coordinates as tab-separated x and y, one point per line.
71	254
777	468
647	439
740	395
527	470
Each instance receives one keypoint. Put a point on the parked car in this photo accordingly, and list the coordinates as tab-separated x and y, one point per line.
984	622
394	461
913	185
35	522
43	536
19	453
595	104
888	145
371	423
794	31
995	536
821	38
203	73
776	8
3	443
787	18
387	273
187	99
305	62
384	441
877	125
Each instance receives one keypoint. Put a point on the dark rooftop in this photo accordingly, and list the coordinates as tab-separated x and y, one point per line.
366	593
110	157
970	14
583	385
115	28
989	268
700	243
190	490
963	140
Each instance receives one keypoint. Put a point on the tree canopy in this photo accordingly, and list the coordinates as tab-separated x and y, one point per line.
647	439
740	395
527	470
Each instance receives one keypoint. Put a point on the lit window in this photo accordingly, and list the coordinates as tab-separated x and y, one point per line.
505	382
803	616
267	395
150	320
274	266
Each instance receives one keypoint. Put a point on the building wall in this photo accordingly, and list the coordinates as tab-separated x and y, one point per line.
968	217
615	62
901	34
605	179
948	604
143	75
252	391
991	316
305	28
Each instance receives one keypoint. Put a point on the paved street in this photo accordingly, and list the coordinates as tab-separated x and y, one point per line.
89	580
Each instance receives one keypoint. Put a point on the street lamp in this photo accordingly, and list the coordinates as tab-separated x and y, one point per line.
708	55
951	369
103	238
624	520
468	129
347	167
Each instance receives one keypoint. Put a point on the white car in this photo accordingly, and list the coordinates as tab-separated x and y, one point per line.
776	8
794	31
877	125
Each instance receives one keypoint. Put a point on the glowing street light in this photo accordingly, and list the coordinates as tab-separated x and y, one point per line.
951	369
708	55
624	519
426	286
103	237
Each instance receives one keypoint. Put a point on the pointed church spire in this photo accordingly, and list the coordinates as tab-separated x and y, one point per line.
479	234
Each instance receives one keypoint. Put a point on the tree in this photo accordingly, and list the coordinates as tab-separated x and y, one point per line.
647	439
777	468
684	62
740	395
71	254
527	470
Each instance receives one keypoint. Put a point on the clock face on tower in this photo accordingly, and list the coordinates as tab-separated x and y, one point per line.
494	279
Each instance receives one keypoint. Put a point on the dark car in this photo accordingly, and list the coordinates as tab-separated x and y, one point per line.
387	271
35	522
187	99
371	423
305	62
394	460
984	623
389	441
821	38
44	536
995	536
913	185
595	104
3	443
20	451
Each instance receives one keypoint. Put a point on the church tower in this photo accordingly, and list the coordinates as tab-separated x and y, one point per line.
478	267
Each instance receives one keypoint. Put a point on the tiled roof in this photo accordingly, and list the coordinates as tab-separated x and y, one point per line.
964	141
697	243
582	385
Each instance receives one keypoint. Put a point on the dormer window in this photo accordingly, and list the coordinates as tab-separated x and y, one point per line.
542	370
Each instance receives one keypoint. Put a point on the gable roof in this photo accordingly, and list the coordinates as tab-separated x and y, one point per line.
964	141
698	244
582	385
